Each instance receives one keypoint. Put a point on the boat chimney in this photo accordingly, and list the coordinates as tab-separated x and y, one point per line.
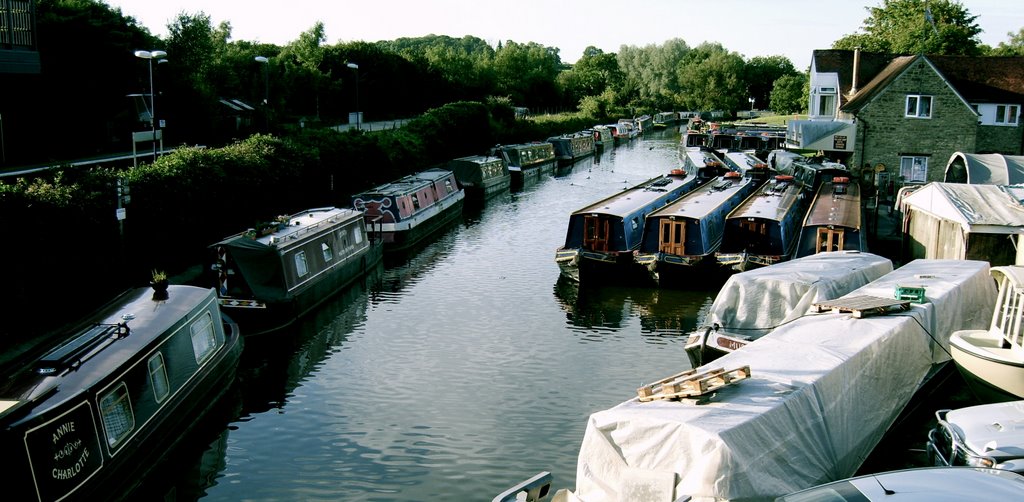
856	70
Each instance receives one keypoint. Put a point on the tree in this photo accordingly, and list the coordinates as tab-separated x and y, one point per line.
1014	46
653	71
788	95
527	73
917	26
761	73
711	79
594	72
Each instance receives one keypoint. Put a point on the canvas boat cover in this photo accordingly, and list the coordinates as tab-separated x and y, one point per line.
988	168
776	295
977	208
822	392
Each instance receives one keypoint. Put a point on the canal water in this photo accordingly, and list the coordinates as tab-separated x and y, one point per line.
451	373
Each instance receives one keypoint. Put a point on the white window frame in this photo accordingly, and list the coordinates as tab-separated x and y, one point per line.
204	338
118	417
1011	114
914	106
158	377
914	168
327	251
826	100
301	267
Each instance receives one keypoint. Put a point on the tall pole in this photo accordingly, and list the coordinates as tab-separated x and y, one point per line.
266	90
150	56
359	117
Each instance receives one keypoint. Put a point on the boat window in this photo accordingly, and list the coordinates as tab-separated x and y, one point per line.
415	202
300	264
328	254
357	235
204	339
343	238
448	186
116	410
158	377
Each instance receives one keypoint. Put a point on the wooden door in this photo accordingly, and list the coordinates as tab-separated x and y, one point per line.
673	237
595	236
830	239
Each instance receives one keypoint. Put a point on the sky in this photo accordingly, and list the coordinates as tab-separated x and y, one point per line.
791	28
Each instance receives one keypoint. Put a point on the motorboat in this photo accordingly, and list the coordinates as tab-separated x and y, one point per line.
922	483
992	360
986	435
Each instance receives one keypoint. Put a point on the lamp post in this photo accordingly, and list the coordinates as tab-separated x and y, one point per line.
751	99
150	56
359	118
265	62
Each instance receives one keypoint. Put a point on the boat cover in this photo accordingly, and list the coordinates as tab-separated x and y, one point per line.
260	265
775	295
988	168
991	209
822	392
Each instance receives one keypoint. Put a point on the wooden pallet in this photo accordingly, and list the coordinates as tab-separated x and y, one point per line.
690	384
861	306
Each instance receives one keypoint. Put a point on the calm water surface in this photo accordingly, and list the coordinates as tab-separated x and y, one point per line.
452	373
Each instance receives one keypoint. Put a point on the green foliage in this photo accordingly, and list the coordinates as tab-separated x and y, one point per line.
761	73
1014	46
711	79
789	94
903	27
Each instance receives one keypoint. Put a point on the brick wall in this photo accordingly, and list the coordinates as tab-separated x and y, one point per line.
999	139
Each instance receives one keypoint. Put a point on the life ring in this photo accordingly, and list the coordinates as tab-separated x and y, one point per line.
784	177
732	174
678	172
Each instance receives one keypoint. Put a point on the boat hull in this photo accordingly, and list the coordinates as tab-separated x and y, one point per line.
989	368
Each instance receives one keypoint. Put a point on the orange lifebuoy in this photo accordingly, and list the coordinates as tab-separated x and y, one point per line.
678	172
784	177
732	174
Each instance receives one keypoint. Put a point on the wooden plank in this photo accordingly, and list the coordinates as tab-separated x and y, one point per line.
862	305
690	384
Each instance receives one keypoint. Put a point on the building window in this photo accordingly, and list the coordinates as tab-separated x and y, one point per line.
1007	114
826	104
914	168
919	106
116	410
204	339
158	377
300	264
328	254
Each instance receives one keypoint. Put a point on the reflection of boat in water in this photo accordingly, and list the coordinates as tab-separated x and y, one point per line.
753	303
90	418
602	236
268	277
992	360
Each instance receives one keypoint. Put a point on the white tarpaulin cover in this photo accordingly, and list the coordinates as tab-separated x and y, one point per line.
822	391
987	168
754	302
976	208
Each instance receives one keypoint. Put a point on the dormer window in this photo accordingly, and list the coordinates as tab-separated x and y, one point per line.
826	101
919	106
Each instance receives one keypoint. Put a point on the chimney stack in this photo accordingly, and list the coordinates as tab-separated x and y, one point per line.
856	69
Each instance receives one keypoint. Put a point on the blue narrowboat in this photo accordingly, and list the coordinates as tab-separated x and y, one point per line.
527	161
601	237
269	276
764	229
680	239
91	417
407	211
834	221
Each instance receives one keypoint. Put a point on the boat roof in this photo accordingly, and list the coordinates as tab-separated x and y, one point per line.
302	224
771	202
406	184
147	318
478	159
741	161
841	210
703	200
631	199
919	484
990	426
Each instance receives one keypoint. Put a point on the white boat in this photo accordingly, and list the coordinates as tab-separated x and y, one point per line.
992	360
922	483
987	435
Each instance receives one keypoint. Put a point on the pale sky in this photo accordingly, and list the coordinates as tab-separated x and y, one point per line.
791	28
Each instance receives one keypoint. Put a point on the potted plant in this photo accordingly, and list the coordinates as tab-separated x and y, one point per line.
158	280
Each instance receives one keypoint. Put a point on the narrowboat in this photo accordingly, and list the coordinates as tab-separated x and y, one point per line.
765	228
696	134
776	295
601	237
699	158
833	222
268	276
664	119
603	137
481	176
623	131
644	123
527	160
680	239
572	147
89	419
919	483
408	210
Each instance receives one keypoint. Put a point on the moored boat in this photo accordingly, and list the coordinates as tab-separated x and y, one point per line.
603	137
482	176
833	222
271	275
408	210
601	237
90	418
992	360
776	295
680	239
664	119
764	229
527	160
919	483
572	147
986	435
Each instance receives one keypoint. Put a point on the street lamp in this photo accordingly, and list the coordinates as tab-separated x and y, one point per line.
150	56
359	118
751	99
266	89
